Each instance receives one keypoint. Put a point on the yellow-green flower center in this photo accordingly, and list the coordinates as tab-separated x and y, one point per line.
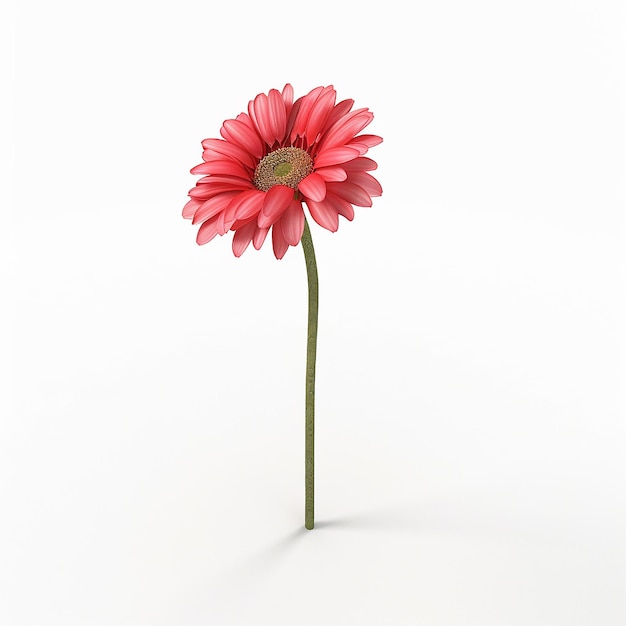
285	166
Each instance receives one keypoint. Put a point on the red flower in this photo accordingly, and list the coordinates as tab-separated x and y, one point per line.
277	156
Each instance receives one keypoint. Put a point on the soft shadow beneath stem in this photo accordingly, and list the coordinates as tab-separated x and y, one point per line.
382	520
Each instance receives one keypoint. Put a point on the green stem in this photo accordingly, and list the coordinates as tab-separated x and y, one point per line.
311	349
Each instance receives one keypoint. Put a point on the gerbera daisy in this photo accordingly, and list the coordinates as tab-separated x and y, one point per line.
277	156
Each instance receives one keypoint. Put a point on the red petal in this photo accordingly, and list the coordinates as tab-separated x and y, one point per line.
279	244
204	192
259	237
288	98
278	115
338	112
226	167
367	182
332	174
230	149
324	214
292	223
346	128
243	237
313	186
335	156
228	216
190	208
360	164
213	206
364	142
343	207
259	112
241	134
319	114
207	231
248	204
351	192
223	224
234	181
291	118
369	140
276	201
304	111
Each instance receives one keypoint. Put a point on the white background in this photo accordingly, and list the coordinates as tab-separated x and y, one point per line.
470	405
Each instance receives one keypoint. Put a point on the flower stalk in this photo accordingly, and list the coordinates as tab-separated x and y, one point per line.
270	167
311	351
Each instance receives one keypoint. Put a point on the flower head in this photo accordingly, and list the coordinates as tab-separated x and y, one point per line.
276	157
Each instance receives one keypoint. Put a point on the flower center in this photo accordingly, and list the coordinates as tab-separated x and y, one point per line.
285	166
